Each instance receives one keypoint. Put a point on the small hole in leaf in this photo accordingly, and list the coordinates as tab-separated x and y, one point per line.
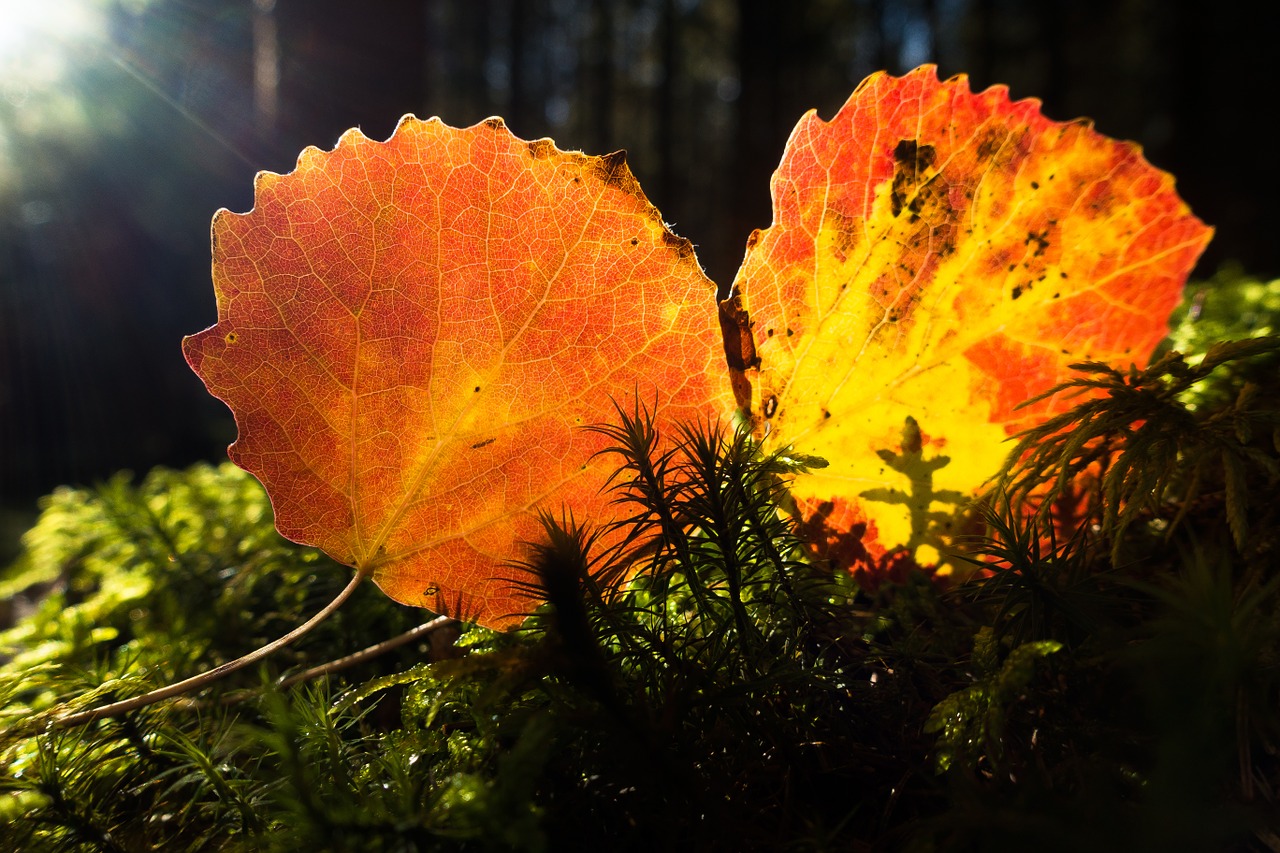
430	591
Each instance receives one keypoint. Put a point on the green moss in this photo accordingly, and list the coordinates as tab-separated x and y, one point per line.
1108	680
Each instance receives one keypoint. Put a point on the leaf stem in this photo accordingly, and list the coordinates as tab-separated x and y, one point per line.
196	682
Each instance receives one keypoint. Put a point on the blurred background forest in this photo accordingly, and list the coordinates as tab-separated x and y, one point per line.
125	123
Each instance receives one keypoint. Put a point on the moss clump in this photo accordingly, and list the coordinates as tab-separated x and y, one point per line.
1107	681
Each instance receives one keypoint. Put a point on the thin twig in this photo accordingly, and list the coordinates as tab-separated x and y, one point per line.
367	654
196	682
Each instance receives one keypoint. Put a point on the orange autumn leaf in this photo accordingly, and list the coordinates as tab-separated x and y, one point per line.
937	257
410	334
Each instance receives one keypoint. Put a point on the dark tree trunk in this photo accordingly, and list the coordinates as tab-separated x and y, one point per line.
667	102
600	82
519	107
761	32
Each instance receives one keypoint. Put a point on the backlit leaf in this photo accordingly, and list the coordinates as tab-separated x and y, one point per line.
936	258
410	334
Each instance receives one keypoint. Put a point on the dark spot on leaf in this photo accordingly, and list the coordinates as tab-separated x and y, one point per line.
912	152
1040	238
1017	291
825	414
477	389
683	247
843	231
635	241
1035	185
494	123
915	206
769	332
542	149
485	443
790	332
232	337
612	170
913	160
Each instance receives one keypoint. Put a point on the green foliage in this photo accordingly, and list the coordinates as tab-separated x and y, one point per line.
969	723
128	587
1199	425
689	679
1231	306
